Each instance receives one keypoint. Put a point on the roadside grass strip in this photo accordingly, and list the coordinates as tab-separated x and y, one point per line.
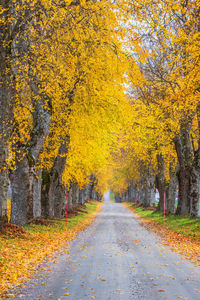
180	233
23	248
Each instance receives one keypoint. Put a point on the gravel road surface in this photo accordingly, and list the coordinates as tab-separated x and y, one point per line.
115	258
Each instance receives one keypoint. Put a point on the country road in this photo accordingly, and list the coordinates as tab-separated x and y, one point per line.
115	258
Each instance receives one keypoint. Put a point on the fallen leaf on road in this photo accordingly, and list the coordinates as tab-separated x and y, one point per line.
178	242
31	247
136	241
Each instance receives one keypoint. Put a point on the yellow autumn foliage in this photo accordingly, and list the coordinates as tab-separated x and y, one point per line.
118	80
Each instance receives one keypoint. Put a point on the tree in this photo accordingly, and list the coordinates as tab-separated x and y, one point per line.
84	53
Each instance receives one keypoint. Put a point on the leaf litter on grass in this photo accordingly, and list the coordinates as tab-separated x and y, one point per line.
184	245
22	249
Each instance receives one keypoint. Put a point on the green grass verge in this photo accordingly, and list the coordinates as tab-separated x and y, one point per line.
180	224
89	209
59	225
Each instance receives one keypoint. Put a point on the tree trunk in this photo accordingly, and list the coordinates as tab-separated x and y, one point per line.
160	181
131	192
161	189
183	192
4	183
45	193
188	175
37	184
40	125
82	196
88	192
6	105
53	191
149	198
31	196
22	193
57	189
171	191
194	194
69	198
75	195
58	196
53	194
195	183
141	192
195	175
184	157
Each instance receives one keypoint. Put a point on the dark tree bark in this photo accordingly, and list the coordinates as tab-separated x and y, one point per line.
141	192
131	192
194	193
6	103
53	191
167	189
183	191
160	181
184	154
195	176
4	183
69	198
81	199
37	185
45	193
75	195
57	191
19	36
149	189
171	190
91	186
22	200
26	175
